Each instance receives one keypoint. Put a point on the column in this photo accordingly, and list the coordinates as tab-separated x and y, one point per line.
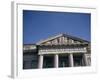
40	63
85	59
71	60
56	61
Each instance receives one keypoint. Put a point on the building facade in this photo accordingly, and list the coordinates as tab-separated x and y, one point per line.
59	51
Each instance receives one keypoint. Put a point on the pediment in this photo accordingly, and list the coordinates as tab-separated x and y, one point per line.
62	39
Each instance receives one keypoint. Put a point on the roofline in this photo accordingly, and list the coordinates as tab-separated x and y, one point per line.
53	37
77	38
81	39
30	44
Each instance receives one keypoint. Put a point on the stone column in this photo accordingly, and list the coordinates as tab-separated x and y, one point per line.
71	60
56	61
85	59
40	63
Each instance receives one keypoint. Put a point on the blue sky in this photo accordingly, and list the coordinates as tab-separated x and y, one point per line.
38	25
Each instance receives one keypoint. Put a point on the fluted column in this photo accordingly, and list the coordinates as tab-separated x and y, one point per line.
56	61
71	60
40	64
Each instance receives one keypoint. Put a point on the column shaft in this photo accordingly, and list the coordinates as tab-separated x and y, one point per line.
71	60
85	59
40	64
56	61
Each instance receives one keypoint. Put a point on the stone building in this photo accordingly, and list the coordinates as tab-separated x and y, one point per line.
59	51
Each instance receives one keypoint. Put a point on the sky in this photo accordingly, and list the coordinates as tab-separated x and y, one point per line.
39	25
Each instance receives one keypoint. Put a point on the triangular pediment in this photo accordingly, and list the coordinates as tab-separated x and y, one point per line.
62	39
